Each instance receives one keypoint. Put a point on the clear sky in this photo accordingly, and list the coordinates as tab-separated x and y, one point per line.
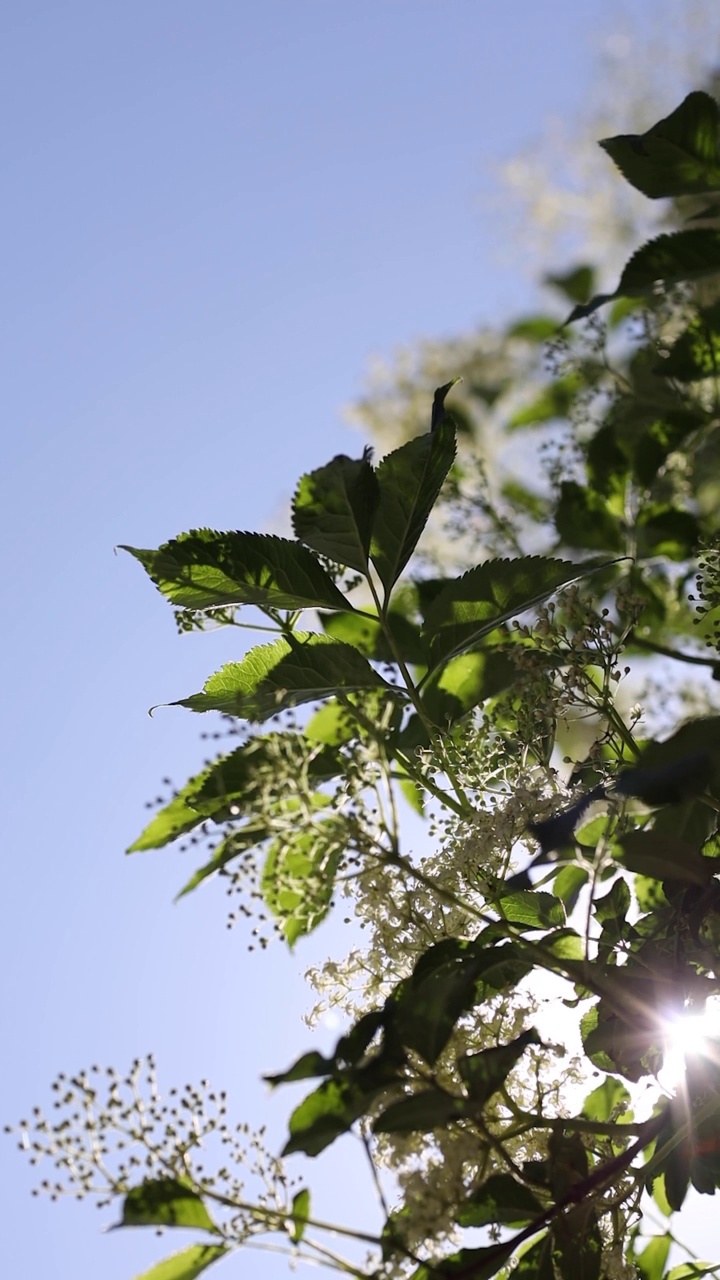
213	216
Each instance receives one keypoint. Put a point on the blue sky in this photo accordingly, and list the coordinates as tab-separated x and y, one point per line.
214	216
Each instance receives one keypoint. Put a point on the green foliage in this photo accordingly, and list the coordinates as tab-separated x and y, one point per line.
577	845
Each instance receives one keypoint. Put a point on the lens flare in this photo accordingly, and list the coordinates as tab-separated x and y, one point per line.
689	1035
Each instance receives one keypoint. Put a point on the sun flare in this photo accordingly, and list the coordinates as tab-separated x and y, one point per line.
689	1035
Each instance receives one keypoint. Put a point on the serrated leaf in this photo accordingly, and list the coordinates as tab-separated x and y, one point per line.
284	674
333	510
447	981
668	260
532	909
410	480
299	876
204	569
308	1065
186	1265
469	608
678	156
165	1202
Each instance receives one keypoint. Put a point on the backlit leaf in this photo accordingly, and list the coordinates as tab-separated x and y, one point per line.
204	569
165	1202
678	156
187	1265
334	508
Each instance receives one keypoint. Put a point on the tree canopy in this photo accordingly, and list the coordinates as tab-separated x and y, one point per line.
510	623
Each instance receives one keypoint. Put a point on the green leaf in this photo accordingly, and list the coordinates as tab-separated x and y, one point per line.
668	260
577	1244
575	285
300	1214
568	884
272	677
475	1264
333	510
325	1114
410	480
499	1201
693	1270
368	636
308	1065
187	1265
696	353
536	328
237	843
203	569
666	531
486	1071
237	782
165	1202
532	908
678	156
665	858
583	519
465	681
299	875
431	1109
554	401
605	1101
468	608
173	820
447	981
651	1262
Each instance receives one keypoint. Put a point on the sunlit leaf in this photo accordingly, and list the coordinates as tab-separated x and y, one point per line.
469	608
285	674
188	1264
165	1202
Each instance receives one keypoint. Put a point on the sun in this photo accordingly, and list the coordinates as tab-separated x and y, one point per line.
689	1035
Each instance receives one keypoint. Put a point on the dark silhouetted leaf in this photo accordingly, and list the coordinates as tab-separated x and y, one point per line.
475	1264
668	260
484	1072
583	519
666	531
308	1065
431	1109
334	508
678	156
665	858
500	1201
203	570
410	480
